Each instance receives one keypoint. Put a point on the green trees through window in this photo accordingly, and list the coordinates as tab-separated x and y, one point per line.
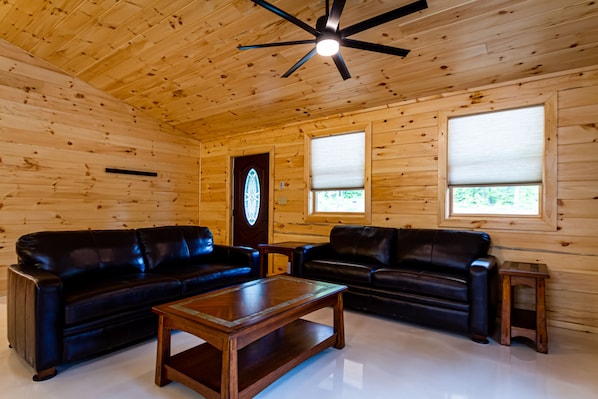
340	201
515	200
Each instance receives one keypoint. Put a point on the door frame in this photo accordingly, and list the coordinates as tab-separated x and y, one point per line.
230	190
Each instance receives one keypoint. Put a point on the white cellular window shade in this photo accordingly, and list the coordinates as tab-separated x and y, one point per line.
338	162
502	147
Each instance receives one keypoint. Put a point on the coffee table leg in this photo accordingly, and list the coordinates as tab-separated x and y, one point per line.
163	354
339	322
229	385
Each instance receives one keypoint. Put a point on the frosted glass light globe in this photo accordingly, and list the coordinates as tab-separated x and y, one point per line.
327	47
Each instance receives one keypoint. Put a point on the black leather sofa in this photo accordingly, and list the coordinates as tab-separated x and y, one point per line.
440	278
77	294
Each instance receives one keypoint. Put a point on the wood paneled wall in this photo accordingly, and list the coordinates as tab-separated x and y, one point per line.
57	136
405	181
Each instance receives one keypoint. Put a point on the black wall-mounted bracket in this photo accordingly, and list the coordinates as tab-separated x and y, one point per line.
131	172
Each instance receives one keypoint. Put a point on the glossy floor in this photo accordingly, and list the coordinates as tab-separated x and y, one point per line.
382	359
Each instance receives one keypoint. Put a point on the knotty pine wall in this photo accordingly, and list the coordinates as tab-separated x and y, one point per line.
57	136
405	185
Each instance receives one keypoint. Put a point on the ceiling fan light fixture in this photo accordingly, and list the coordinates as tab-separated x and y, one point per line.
327	45
328	37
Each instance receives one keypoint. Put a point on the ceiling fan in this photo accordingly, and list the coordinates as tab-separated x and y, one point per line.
328	37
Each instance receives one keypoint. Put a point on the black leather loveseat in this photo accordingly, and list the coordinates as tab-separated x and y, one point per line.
75	294
441	278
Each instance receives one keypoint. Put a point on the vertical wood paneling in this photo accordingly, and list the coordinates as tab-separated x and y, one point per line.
57	136
405	181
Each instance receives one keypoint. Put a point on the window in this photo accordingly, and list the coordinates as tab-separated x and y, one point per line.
498	169
338	165
495	162
337	173
251	197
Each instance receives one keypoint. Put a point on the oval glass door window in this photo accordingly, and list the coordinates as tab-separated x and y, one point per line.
252	196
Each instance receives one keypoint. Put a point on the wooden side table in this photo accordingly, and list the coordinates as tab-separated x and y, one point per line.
520	322
283	248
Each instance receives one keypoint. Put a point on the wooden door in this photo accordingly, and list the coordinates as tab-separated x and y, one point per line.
250	199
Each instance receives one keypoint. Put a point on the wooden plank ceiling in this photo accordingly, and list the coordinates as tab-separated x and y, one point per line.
178	59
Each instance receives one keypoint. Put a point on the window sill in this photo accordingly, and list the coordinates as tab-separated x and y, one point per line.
499	223
340	218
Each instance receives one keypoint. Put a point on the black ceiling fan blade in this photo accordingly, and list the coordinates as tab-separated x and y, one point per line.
334	17
378	48
287	16
276	44
341	66
299	63
383	18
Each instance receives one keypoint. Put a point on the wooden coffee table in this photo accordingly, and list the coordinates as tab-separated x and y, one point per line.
254	334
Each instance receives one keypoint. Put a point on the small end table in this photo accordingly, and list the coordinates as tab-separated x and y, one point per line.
283	248
520	322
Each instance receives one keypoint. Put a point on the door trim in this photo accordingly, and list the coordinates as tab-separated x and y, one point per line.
230	191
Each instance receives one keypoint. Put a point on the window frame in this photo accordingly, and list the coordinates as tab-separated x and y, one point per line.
547	218
339	217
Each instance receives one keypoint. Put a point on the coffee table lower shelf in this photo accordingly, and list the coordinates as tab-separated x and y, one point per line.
259	364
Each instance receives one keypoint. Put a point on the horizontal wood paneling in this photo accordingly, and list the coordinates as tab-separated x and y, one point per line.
405	186
57	136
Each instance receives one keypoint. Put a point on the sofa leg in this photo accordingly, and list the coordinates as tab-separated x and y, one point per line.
46	374
479	339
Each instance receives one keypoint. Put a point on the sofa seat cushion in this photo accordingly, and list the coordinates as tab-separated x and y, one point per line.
418	300
423	282
198	278
340	271
107	295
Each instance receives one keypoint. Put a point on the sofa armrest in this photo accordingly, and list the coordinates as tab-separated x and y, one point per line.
483	297
309	252
239	255
35	317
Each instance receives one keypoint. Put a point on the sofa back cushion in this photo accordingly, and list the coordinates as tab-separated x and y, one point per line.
415	246
368	243
199	239
168	245
446	249
456	249
74	253
119	249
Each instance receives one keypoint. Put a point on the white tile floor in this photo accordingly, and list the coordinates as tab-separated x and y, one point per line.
382	359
